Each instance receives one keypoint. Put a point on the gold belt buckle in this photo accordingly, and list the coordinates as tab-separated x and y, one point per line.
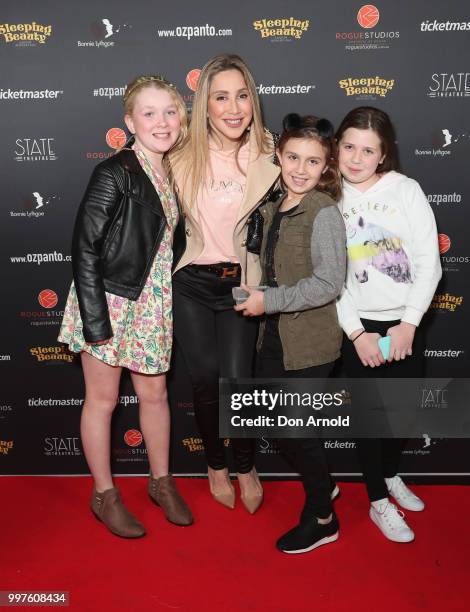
229	271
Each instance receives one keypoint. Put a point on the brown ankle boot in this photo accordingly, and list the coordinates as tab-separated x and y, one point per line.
164	493
109	509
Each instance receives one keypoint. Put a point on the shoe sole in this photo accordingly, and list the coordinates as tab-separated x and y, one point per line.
321	542
119	535
169	520
335	493
407	507
373	519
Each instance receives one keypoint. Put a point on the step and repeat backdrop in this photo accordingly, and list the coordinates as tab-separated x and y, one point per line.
63	73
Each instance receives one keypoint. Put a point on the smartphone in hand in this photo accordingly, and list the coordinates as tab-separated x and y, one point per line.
384	346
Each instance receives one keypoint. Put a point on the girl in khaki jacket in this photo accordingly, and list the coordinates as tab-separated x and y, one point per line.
303	258
222	173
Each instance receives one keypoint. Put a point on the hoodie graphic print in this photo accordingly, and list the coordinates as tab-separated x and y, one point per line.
393	254
370	244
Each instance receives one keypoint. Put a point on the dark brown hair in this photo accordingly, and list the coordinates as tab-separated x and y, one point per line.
322	131
370	118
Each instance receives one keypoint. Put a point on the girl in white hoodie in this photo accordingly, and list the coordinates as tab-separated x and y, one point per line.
393	271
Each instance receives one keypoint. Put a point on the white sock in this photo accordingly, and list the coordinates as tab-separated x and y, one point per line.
380	504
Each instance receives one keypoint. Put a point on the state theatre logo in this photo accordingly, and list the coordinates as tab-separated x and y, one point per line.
449	85
25	34
34	149
367	88
284	29
369	38
56	446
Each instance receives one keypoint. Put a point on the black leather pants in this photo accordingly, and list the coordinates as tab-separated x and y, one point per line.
216	342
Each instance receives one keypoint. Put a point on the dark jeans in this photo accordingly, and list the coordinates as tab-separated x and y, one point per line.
380	458
216	341
306	455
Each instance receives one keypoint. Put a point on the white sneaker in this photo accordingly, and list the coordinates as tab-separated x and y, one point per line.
403	495
391	523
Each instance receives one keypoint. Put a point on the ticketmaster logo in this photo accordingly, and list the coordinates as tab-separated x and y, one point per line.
284	89
443	353
30	94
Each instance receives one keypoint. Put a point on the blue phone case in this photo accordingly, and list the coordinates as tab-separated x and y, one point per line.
384	346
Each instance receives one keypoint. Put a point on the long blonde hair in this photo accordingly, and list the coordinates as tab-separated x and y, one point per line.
194	152
158	82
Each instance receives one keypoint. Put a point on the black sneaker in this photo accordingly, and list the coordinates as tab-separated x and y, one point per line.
308	534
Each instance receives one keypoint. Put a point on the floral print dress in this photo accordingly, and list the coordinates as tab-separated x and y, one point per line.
142	329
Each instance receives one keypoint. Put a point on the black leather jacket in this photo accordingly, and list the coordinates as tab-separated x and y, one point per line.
118	230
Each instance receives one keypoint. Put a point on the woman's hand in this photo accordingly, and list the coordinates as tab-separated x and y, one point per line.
100	342
254	305
367	348
402	336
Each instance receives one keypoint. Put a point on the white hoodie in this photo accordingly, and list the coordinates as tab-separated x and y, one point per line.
393	253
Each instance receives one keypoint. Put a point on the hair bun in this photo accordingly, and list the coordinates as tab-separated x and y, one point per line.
325	128
292	121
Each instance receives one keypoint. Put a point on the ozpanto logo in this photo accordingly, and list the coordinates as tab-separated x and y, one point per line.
192	78
444	243
133	437
368	16
48	298
116	138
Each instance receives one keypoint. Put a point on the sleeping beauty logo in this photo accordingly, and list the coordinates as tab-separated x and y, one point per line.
367	88
25	34
281	29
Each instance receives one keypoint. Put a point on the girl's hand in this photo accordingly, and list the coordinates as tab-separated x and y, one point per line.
254	305
368	350
100	342
402	336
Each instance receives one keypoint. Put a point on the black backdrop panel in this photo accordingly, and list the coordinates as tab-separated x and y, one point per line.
63	71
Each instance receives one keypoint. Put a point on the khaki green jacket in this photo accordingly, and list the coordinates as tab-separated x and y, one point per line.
310	268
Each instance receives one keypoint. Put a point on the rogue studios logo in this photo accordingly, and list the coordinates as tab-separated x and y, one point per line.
450	262
369	38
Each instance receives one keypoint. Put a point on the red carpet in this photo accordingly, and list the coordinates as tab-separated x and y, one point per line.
227	560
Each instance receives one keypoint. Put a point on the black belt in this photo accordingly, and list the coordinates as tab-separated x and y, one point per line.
222	270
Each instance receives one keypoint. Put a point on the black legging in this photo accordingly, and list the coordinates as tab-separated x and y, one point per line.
306	455
380	458
216	341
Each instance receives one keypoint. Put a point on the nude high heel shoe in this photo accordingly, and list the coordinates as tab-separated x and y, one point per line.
226	497
252	500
